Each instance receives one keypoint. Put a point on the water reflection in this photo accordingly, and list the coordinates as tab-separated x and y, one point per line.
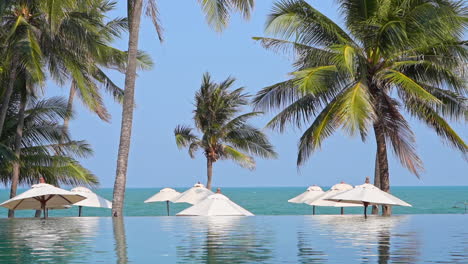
224	239
120	240
50	241
306	252
373	238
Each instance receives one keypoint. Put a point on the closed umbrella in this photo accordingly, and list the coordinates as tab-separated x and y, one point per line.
367	194
321	200
193	195
215	205
92	199
164	195
311	193
41	197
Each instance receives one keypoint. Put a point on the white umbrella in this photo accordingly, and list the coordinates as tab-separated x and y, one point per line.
193	195
367	194
42	196
311	193
215	205
92	199
321	200
164	195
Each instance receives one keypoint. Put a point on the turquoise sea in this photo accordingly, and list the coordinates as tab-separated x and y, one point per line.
273	201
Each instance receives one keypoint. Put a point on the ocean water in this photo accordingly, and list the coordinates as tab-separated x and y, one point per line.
260	239
272	201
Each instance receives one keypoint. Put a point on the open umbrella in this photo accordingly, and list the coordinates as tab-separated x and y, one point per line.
215	205
193	195
164	195
367	194
42	196
321	200
92	199
311	193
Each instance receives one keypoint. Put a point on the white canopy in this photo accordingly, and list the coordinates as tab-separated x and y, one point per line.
42	194
166	194
92	199
311	193
193	195
215	205
321	200
367	193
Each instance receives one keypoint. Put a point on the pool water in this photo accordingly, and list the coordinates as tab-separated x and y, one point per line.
259	239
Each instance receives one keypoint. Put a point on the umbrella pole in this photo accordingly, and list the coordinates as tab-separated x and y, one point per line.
167	206
313	209
79	210
342	210
365	209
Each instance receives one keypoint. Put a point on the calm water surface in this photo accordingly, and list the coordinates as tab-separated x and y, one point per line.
259	239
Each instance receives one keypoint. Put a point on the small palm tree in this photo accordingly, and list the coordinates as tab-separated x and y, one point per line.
225	134
393	55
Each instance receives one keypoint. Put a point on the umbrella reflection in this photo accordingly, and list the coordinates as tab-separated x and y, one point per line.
120	240
224	239
373	237
35	241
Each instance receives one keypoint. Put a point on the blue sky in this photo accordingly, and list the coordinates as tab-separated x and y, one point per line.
164	99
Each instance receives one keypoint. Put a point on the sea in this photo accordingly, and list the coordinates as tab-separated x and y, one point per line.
272	201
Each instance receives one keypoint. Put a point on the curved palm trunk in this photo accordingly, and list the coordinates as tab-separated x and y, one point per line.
8	92
127	112
209	172
16	165
375	208
382	164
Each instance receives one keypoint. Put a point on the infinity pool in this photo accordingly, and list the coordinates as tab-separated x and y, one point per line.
259	239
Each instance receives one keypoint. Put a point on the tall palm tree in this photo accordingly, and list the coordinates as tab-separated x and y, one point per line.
20	47
224	133
76	43
217	14
393	55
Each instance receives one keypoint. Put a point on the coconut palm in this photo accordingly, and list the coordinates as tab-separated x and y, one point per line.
224	133
20	47
217	13
46	148
392	55
76	45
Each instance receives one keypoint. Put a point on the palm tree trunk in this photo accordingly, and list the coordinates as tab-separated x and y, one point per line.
8	92
18	138
382	164
209	172
375	208
71	96
38	214
135	8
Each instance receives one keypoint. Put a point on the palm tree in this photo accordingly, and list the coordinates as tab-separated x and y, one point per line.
46	148
217	14
393	55
225	134
20	35
76	44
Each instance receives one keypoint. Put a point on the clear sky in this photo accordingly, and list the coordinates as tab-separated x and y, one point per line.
164	99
